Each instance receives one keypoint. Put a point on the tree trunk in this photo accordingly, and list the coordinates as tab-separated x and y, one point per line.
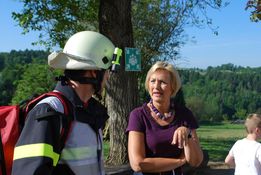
122	89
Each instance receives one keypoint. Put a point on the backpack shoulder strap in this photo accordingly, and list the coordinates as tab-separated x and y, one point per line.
66	118
59	95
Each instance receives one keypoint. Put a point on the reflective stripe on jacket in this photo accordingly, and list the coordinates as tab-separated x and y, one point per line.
81	153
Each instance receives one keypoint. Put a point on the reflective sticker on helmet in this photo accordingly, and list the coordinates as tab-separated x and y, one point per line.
116	58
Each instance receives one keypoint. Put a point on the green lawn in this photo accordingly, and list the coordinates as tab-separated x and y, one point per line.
217	139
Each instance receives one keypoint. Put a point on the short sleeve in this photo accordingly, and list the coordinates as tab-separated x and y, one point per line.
258	153
232	150
136	121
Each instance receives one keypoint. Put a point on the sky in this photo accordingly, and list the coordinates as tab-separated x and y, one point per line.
238	41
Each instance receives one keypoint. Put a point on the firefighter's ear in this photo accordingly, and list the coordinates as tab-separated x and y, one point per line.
72	84
93	73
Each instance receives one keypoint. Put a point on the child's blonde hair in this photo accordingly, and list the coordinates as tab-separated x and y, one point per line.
252	122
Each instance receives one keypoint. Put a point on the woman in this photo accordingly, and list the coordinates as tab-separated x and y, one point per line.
162	135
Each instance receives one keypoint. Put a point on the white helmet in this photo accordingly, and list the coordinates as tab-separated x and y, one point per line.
86	50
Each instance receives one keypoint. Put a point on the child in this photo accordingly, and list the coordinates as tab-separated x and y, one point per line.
245	155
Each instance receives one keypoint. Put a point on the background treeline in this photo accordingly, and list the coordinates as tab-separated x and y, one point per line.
220	93
23	74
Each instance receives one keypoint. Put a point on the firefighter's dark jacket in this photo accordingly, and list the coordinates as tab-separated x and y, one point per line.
46	132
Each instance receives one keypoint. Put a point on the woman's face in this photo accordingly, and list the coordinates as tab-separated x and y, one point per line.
160	85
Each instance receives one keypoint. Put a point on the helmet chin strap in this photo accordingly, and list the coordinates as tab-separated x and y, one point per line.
96	82
85	80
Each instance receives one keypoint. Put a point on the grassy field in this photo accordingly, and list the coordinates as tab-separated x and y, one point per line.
217	139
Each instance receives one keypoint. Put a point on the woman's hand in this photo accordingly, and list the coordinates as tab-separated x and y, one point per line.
192	150
180	136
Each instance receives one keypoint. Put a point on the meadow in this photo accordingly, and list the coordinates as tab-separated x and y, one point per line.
217	139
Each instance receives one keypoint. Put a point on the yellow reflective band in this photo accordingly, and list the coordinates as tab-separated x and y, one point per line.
35	150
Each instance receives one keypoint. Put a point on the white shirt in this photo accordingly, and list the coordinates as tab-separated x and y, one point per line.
247	155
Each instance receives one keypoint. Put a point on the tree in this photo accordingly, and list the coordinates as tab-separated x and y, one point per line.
2	61
9	76
255	5
57	19
197	105
115	22
36	79
14	64
156	26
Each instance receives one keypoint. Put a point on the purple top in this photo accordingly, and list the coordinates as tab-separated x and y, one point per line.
158	138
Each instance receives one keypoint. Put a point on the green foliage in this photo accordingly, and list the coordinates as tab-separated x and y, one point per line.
36	79
255	6
9	76
2	61
226	92
25	57
15	64
56	20
241	113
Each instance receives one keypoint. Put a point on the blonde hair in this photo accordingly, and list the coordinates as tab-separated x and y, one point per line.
174	75
252	122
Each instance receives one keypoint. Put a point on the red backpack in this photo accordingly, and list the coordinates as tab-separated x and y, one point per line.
11	123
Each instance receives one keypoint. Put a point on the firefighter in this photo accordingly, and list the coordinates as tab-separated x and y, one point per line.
85	60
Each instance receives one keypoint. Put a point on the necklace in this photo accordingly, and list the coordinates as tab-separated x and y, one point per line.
160	115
